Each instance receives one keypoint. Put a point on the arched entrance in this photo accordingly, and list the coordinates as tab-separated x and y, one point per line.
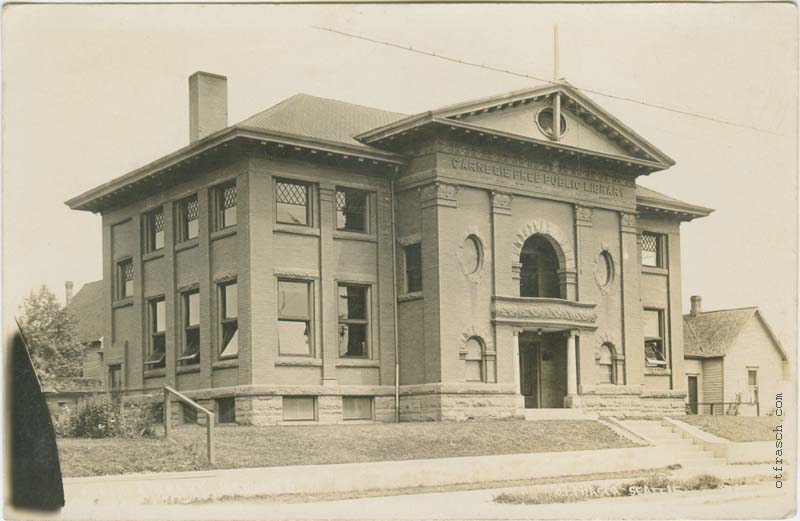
539	268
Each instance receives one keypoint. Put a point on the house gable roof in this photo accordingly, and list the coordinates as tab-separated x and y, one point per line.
87	306
711	334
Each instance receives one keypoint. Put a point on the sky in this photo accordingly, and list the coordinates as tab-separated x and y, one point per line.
92	92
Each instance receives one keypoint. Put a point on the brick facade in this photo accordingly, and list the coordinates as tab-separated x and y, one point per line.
446	191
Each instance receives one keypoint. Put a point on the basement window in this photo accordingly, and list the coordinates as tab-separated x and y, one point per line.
299	408
226	410
356	407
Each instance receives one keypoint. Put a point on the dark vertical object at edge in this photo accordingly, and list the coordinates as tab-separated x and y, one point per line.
35	469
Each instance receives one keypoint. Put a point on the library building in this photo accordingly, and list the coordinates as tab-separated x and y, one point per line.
326	262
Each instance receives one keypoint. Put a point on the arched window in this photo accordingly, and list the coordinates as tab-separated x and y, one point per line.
538	269
606	362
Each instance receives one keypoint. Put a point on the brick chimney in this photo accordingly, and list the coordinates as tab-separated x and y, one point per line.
68	288
697	305
208	104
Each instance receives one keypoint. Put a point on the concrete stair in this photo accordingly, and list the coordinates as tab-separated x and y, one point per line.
556	414
687	453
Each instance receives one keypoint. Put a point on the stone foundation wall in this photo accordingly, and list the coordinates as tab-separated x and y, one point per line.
632	401
457	402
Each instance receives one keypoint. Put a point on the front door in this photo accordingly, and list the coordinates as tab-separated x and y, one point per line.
693	394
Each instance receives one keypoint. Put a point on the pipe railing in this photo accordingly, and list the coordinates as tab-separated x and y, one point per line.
188	401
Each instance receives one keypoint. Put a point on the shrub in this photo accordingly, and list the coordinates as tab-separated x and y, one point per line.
102	418
97	419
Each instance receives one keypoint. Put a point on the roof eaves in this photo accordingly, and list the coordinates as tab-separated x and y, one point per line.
774	337
397	127
687	209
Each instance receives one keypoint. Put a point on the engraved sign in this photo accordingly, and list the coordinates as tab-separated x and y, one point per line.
534	177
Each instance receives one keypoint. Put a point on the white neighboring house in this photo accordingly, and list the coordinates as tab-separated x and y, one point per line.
730	356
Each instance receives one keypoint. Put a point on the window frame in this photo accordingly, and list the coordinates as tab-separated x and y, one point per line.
344	322
418	268
183	220
752	389
121	292
308	319
152	321
218	192
314	405
611	366
223	321
114	368
185	359
367	209
309	201
662	340
371	416
218	409
660	242
151	232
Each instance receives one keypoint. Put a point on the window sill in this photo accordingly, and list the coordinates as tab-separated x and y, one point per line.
655	271
225	232
408	297
122	303
187	245
298	361
296	229
182	369
357	362
657	371
153	255
355	236
226	363
155	373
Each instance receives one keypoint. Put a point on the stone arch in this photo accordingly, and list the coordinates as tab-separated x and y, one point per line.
557	239
479	332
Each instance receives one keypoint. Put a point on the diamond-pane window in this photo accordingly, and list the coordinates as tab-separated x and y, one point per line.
190	223
124	279
155	230
651	250
291	201
226	206
351	210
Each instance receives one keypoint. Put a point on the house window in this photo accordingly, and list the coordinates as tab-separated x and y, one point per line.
189	219
226	410
606	362
752	385
652	250
124	279
356	407
654	348
294	317
157	317
353	321
291	202
226	198
154	230
229	319
474	360
190	354
115	377
299	408
413	254
352	212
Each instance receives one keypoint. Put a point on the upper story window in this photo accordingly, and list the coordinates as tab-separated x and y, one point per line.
124	279
538	269
229	319
190	354
156	346
225	200
352	210
292	203
413	253
353	320
653	250
655	352
189	219
294	317
154	230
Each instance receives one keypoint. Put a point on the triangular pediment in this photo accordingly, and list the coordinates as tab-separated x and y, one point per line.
585	125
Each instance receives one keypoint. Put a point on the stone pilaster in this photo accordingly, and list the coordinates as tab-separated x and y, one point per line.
171	305
583	253
329	324
207	344
631	274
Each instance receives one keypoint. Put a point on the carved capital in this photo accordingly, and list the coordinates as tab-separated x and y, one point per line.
628	221
501	203
583	215
438	193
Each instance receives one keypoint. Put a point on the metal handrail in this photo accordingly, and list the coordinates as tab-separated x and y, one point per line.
188	401
713	405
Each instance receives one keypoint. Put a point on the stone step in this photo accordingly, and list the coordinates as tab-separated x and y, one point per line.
557	414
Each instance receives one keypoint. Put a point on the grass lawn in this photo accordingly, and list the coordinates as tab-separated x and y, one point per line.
322	444
735	428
